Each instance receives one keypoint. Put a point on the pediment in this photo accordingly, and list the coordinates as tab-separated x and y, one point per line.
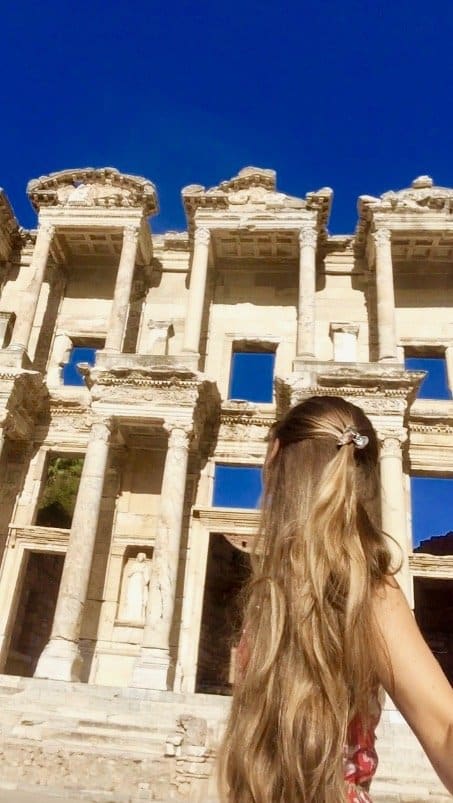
92	187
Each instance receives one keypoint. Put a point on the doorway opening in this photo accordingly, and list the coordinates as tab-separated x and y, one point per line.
227	571
35	611
434	615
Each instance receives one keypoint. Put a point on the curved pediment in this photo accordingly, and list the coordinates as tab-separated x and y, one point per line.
90	187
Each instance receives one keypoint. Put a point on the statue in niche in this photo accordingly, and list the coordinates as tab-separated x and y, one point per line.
134	592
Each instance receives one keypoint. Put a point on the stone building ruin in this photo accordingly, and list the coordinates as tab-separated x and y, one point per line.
116	382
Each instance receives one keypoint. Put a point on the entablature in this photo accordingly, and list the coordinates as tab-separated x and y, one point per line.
435	566
422	207
250	202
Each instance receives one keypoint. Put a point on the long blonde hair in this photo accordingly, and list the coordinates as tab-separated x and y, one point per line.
309	627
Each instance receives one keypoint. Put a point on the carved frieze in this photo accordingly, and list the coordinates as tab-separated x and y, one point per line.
252	193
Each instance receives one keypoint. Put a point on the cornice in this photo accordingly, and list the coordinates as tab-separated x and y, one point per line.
425	565
254	190
422	198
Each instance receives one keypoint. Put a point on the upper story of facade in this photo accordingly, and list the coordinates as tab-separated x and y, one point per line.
256	283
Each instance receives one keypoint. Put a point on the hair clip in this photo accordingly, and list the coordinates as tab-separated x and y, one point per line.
351	435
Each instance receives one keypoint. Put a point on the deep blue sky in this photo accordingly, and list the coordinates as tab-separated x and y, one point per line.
354	95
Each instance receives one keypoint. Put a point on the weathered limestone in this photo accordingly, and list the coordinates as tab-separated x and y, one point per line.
122	293
344	337
61	348
385	295
61	659
152	564
393	507
152	668
307	290
197	289
30	296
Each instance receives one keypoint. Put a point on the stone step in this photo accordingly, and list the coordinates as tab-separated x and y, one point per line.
389	791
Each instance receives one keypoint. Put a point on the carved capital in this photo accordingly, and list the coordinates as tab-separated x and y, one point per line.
101	430
202	236
391	442
308	236
179	435
382	238
130	235
46	230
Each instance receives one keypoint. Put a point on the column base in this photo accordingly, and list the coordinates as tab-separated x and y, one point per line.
153	670
60	660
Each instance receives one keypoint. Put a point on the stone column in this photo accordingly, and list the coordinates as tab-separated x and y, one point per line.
30	296
61	659
307	291
122	293
449	366
344	338
152	668
61	349
393	503
197	290
385	295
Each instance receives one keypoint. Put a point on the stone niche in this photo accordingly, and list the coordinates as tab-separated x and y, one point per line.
135	579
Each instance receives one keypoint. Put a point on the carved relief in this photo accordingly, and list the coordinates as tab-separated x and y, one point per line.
202	235
308	236
382	237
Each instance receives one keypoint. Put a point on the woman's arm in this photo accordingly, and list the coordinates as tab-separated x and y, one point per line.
413	678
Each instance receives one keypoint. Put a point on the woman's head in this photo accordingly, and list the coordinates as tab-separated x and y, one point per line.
320	554
321	480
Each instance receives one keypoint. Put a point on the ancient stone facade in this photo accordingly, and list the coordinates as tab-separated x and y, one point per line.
139	593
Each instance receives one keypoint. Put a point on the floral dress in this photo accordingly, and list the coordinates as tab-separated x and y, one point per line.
360	757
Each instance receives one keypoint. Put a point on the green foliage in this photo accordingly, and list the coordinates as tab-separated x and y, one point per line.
59	497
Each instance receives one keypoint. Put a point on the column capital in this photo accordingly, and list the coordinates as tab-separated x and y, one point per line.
101	429
130	234
391	441
382	237
202	235
308	236
47	229
179	434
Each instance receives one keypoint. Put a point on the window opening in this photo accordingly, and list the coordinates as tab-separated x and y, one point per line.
435	383
252	375
432	515
56	506
237	486
82	351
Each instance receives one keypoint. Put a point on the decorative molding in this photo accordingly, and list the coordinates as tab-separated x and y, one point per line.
308	236
436	566
52	537
228	520
202	236
252	193
93	187
382	238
